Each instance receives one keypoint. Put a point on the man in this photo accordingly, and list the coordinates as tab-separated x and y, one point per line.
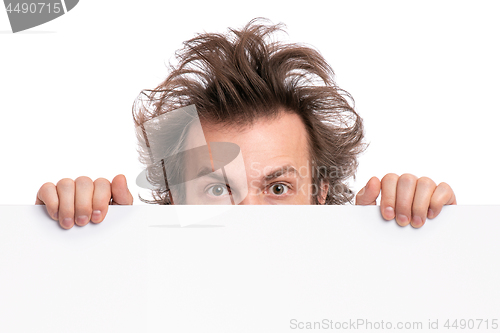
298	136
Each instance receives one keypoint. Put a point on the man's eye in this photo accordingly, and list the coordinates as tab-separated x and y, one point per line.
279	189
217	190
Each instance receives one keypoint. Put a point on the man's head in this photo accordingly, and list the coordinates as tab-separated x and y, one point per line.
277	101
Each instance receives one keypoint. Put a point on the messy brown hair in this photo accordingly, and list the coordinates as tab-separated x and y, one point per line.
235	78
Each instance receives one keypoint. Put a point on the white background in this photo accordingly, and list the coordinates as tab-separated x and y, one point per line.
424	75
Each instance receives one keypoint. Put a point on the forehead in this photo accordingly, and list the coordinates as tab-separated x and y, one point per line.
266	140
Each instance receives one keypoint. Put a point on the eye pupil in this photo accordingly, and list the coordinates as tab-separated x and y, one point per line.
278	189
218	190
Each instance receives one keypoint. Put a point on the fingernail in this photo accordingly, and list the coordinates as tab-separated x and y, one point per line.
96	215
56	215
402	219
82	220
389	212
417	221
67	222
430	214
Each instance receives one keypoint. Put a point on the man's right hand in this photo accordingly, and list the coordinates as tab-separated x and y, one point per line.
80	201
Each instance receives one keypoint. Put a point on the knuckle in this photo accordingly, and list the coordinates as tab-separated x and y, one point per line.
65	182
445	186
426	181
390	176
47	186
83	180
408	177
46	189
102	181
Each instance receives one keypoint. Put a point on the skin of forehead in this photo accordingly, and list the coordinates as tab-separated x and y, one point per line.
266	140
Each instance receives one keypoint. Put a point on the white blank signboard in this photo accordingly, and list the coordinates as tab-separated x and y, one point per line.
250	269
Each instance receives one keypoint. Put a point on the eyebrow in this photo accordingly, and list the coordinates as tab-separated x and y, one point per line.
208	172
280	171
270	176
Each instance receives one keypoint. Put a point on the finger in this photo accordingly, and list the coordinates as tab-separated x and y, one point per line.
66	193
443	195
120	192
369	194
405	192
47	195
100	201
388	200
421	201
84	190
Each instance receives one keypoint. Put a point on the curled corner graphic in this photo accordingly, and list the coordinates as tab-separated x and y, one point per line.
26	14
178	157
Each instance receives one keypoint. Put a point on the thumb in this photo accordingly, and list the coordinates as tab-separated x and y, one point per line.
369	194
120	193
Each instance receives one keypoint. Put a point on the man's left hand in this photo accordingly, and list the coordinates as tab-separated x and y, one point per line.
407	198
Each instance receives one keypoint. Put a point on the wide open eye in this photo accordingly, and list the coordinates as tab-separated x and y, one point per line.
217	190
279	189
